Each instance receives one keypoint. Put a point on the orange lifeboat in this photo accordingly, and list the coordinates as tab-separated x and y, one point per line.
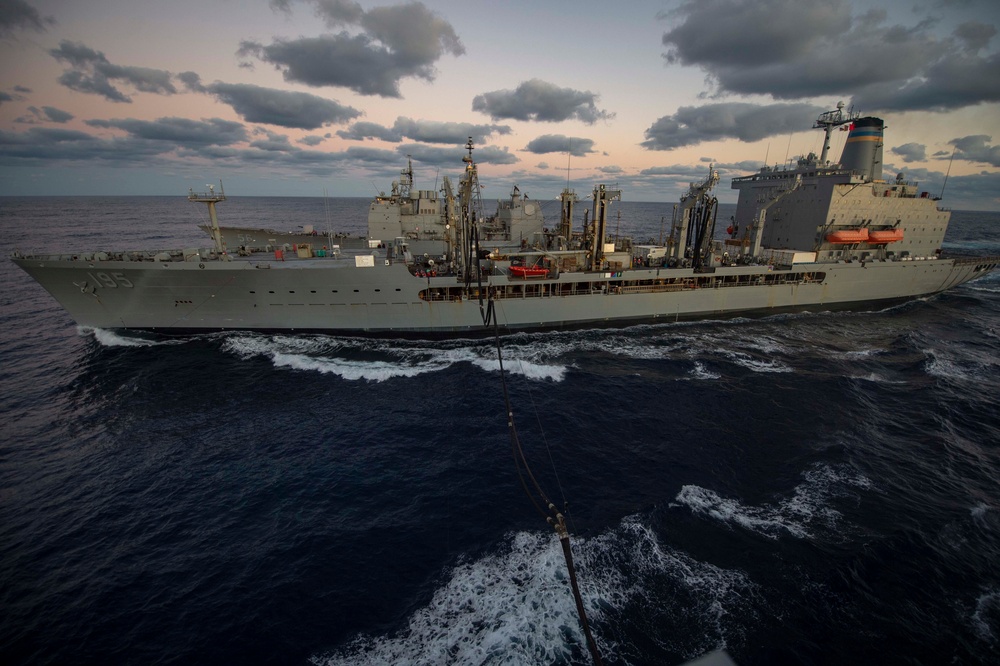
887	236
528	271
845	236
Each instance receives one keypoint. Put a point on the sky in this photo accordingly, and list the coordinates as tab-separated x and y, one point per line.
331	97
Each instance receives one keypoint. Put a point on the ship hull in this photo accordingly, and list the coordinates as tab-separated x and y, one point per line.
335	296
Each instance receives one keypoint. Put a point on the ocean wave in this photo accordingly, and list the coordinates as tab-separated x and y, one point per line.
516	606
109	338
513	607
708	606
960	363
699	371
986	618
382	360
796	515
757	365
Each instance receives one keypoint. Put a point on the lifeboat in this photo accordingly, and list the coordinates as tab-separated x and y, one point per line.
528	271
887	236
848	236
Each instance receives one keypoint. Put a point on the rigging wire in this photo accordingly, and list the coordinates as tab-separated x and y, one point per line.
539	498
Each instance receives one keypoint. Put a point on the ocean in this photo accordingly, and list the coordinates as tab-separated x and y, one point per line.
822	488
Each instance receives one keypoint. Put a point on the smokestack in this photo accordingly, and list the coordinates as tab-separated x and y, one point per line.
863	150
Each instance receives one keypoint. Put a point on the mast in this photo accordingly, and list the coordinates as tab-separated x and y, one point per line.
470	201
406	182
567	198
830	119
602	200
211	198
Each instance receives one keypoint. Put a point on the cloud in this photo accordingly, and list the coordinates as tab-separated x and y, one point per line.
394	43
728	120
541	101
975	35
798	48
91	72
49	145
283	108
425	131
362	130
19	15
452	157
952	82
911	152
557	143
273	142
312	140
46	113
179	131
976	148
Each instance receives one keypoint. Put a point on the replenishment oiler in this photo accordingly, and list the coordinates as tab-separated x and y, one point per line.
814	237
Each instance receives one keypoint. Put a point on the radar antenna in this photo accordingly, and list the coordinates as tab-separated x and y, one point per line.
830	119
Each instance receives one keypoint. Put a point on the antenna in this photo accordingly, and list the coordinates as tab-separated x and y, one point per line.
569	156
948	173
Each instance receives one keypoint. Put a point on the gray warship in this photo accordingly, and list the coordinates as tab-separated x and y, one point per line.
418	216
815	236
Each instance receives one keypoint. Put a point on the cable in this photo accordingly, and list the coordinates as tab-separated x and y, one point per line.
554	517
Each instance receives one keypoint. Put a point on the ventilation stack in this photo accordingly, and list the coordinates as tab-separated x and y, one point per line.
863	150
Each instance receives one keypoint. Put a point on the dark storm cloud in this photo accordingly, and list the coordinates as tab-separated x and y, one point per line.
953	82
425	131
19	15
911	152
728	120
802	48
91	72
557	143
977	148
394	43
975	35
179	131
541	101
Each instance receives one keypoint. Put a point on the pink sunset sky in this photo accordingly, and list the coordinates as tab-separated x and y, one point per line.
306	97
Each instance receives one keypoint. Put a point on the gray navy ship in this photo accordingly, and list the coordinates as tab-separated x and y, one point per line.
816	236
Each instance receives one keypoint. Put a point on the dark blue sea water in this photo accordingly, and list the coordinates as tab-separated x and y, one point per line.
810	489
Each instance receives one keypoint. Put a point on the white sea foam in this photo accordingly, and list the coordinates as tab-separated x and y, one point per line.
516	606
986	618
699	371
960	364
796	515
511	608
380	360
113	339
757	365
979	511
